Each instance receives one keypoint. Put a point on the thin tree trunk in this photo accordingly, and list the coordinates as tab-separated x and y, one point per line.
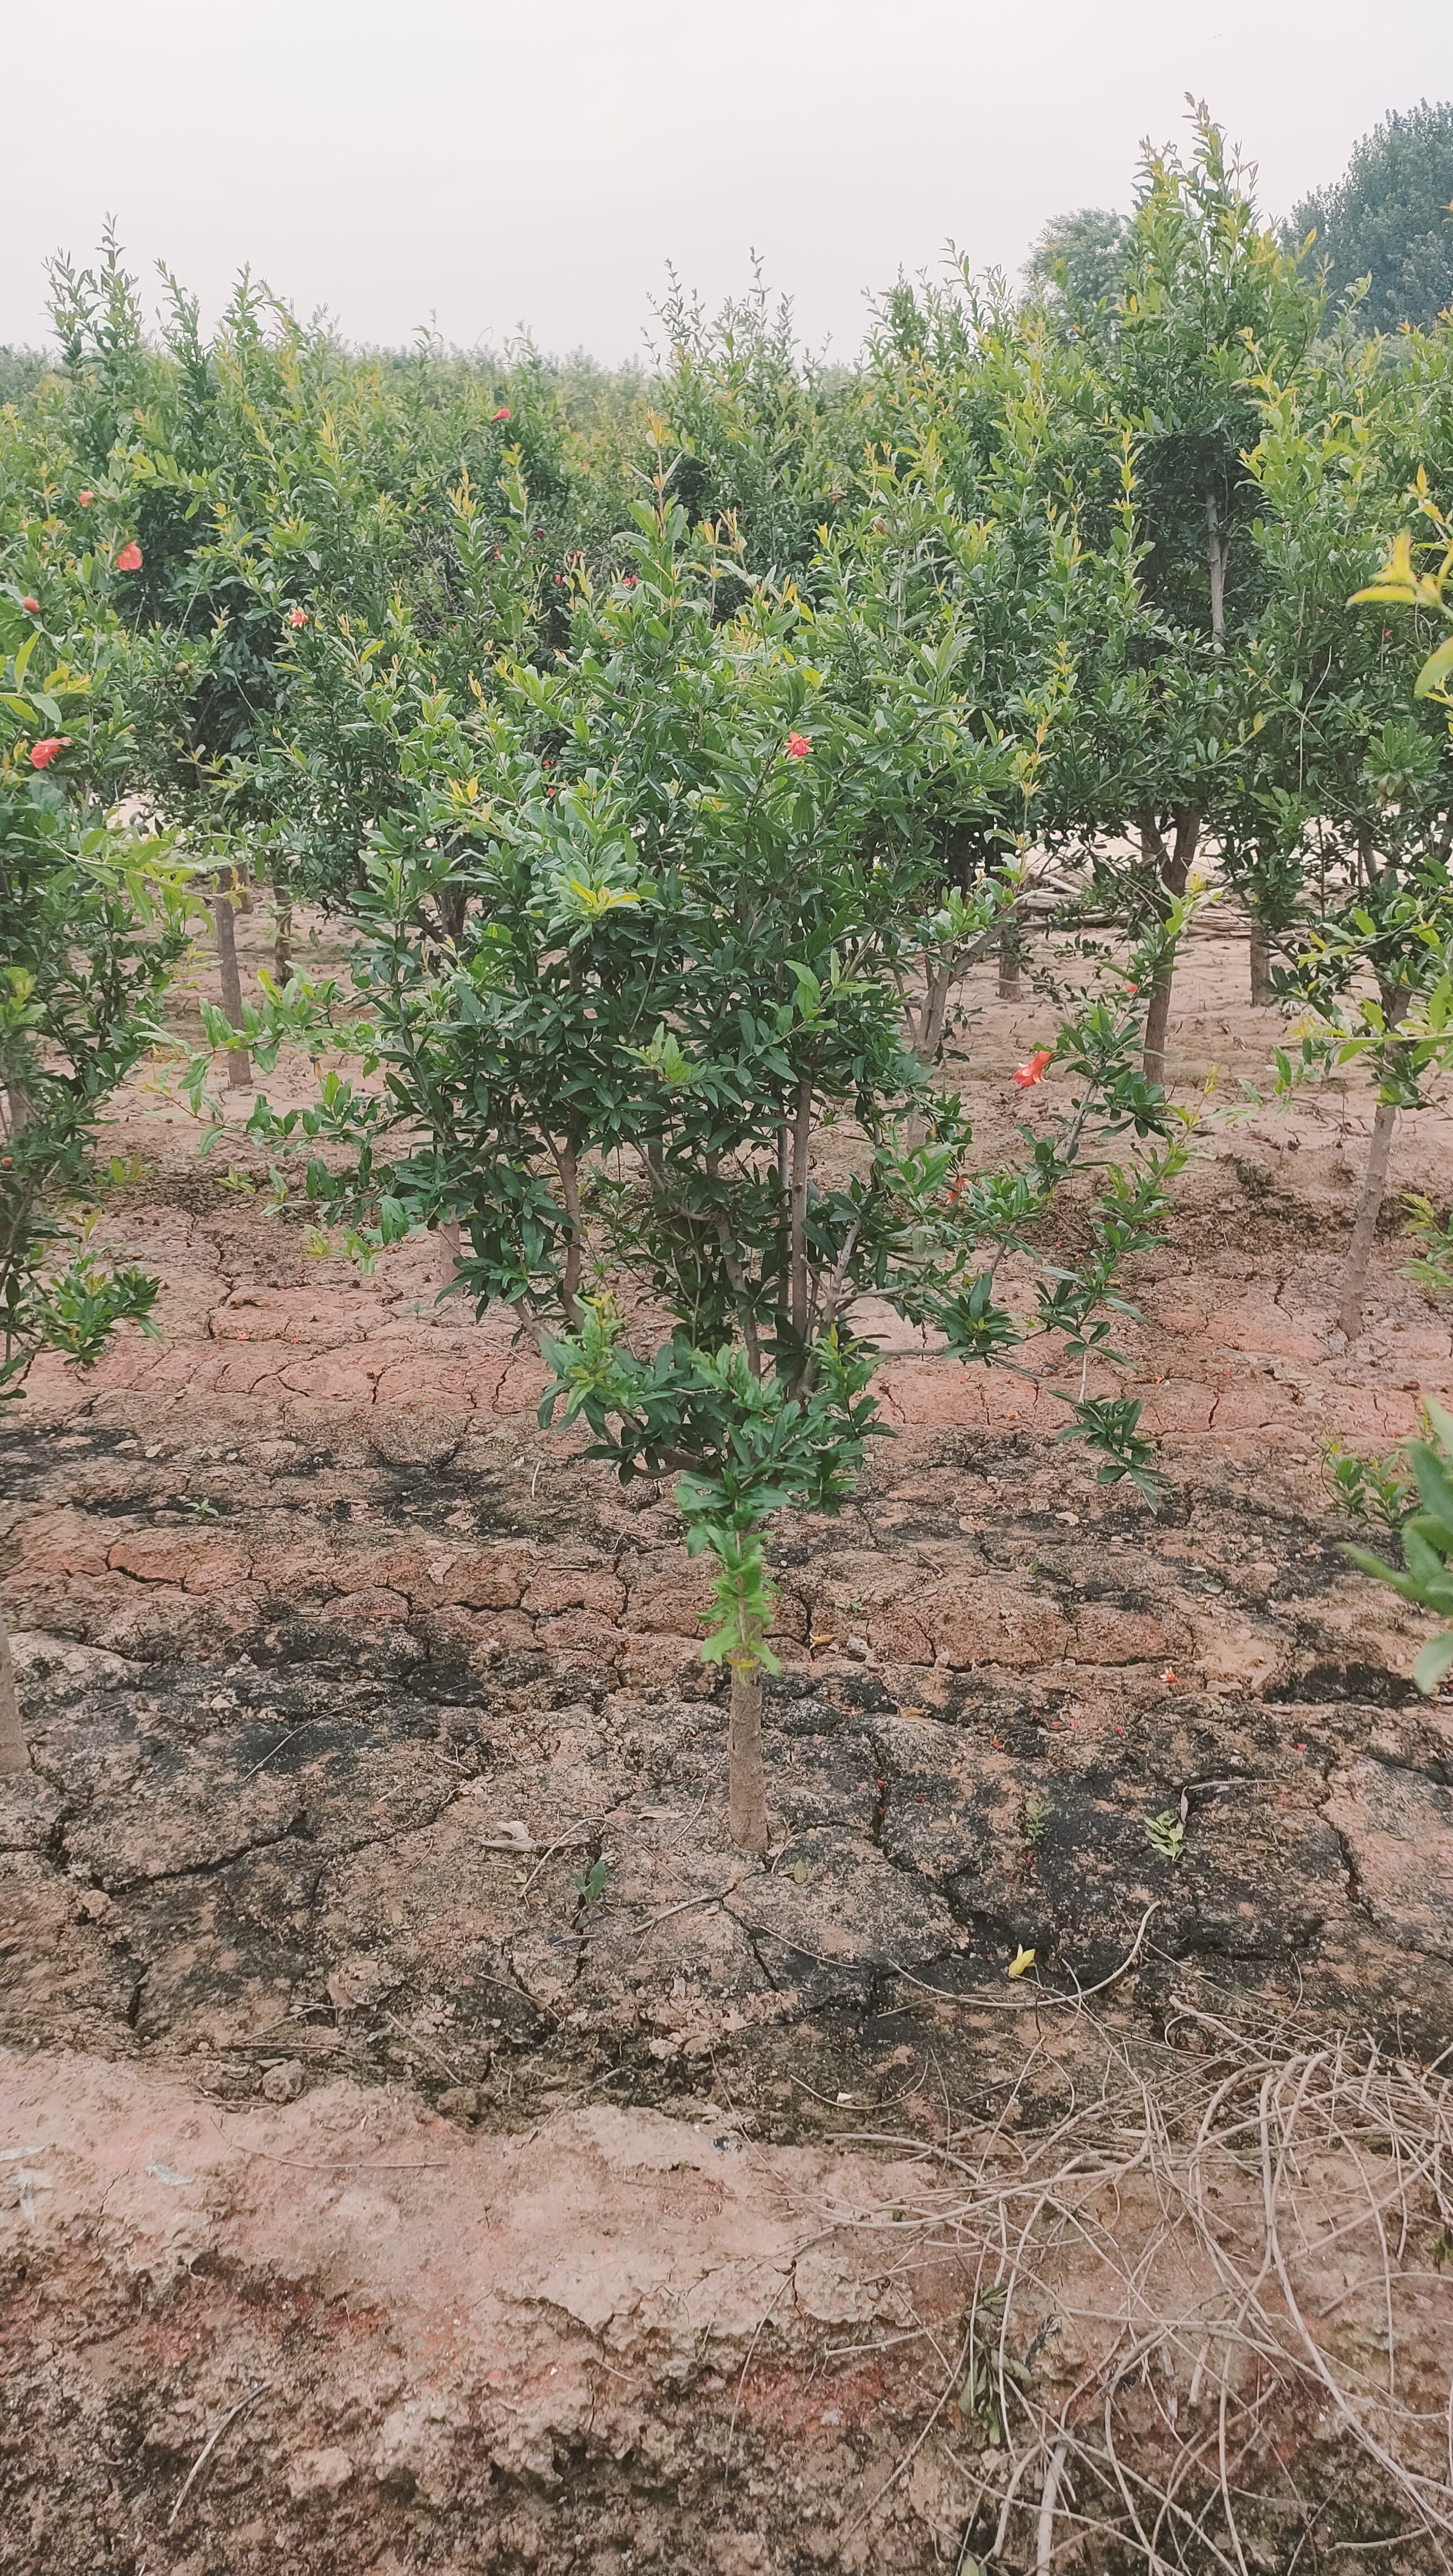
566	1166
1172	866
1157	1020
1008	976
928	1032
239	1062
449	1246
1262	953
746	1763
282	945
14	1752
801	1155
1369	1208
17	1110
1216	556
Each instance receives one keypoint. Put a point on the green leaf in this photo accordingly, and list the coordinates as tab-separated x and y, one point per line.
1435	670
1434	1661
1434	1483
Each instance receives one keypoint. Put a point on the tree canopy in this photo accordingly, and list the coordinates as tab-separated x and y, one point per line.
1387	219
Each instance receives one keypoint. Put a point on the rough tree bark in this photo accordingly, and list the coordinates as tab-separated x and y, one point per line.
14	1751
1262	954
1011	958
282	915
746	1763
798	1281
1216	558
1364	1230
1171	861
1374	1184
239	1062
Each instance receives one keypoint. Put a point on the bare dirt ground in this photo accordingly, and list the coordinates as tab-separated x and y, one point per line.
487	2226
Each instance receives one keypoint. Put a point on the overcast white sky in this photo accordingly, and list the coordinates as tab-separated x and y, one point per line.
540	162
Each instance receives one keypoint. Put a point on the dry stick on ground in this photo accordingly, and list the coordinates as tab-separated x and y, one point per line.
210	2445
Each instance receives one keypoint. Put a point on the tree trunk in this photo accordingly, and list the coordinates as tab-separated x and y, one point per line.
1369	1208
1157	1020
1172	865
14	1752
449	1248
1216	556
282	946
797	1207
928	1028
239	1063
1009	963
1262	953
746	1763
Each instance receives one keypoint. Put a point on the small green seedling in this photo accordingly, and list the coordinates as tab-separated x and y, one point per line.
591	1888
1036	1817
1167	1832
1427	1541
1371	1489
1433	1269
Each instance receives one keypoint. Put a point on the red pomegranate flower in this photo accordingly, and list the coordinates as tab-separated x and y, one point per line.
43	753
1036	1069
85	499
798	746
31	607
297	617
503	413
129	559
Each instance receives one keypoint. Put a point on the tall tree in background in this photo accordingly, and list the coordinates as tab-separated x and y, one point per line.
1387	219
1077	264
1210	305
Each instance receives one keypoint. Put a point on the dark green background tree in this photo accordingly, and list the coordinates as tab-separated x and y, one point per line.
1387	219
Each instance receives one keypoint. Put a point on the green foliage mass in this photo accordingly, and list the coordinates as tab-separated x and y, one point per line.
1387	220
672	748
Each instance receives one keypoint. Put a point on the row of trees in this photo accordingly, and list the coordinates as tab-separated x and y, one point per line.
675	765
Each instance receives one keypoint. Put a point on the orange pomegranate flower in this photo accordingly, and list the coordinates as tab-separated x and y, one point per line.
31	607
129	559
297	617
1036	1069
43	753
503	413
798	746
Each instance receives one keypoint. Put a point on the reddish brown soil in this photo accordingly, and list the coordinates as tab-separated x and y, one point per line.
322	2084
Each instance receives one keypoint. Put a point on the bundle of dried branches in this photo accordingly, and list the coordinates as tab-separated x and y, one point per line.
1199	2323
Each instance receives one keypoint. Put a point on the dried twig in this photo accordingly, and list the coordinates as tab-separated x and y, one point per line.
210	2445
1184	2223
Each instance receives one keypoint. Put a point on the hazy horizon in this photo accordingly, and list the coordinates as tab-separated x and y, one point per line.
466	167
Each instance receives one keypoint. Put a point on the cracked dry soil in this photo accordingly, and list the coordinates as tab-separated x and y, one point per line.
483	2217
